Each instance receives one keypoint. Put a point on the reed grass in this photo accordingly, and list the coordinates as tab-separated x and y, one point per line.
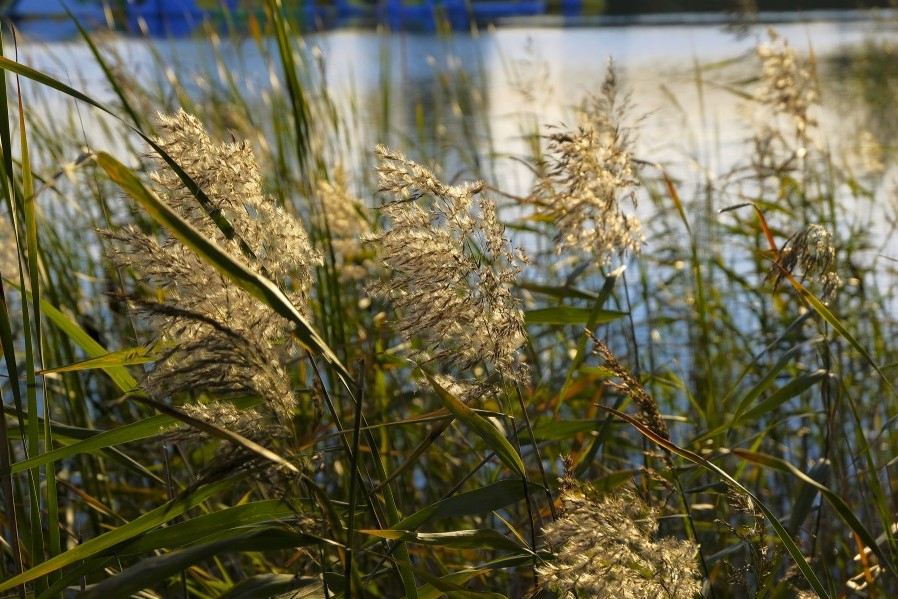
406	407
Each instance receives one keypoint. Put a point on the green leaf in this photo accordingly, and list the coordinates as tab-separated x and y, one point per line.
150	571
555	291
479	501
148	427
791	389
483	427
122	357
138	526
119	374
563	429
804	499
209	527
429	591
570	315
766	381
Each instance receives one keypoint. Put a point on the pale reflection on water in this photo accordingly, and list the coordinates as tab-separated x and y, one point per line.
515	81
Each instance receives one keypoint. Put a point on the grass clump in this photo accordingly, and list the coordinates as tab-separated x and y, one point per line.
284	378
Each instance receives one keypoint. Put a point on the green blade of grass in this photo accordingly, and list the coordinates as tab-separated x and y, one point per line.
41	501
149	571
277	585
215	526
123	357
429	591
793	388
129	433
481	426
138	526
571	315
484	538
479	501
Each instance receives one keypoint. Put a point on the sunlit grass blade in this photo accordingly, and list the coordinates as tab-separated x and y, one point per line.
129	433
482	427
123	357
276	585
485	538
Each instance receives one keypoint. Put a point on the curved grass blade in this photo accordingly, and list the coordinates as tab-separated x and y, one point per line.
143	429
123	357
804	499
277	585
791	389
429	591
444	584
479	501
481	426
695	458
843	509
484	538
211	527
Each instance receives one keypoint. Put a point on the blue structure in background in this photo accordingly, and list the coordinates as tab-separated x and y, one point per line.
182	17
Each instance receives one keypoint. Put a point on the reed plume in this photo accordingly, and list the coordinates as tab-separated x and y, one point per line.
590	176
450	270
788	82
213	336
609	547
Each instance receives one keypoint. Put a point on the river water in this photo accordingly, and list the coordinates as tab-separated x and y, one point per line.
520	79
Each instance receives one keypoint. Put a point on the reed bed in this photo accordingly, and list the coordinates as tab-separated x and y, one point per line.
248	354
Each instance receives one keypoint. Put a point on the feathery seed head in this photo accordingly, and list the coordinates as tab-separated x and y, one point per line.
788	82
807	254
608	547
450	269
590	175
214	336
340	216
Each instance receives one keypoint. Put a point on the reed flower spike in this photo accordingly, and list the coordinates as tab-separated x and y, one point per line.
450	269
590	176
609	547
213	336
788	82
809	254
